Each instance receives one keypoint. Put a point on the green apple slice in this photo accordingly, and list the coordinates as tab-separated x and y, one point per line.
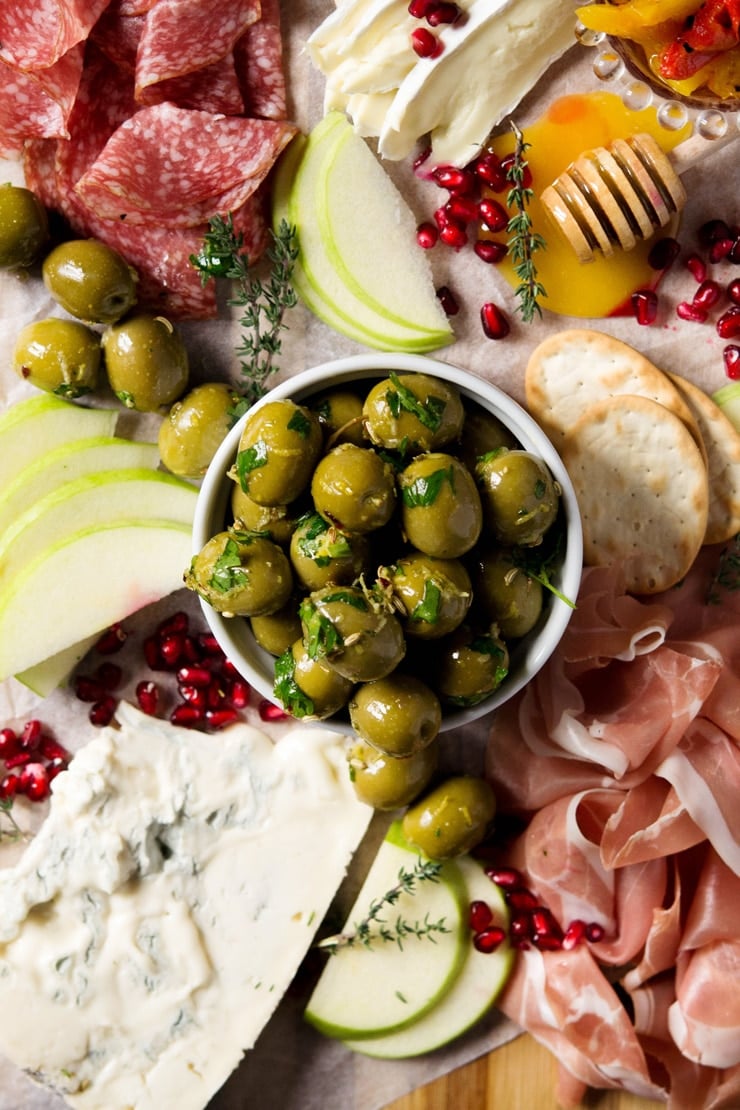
728	399
44	677
33	427
67	462
86	582
472	994
367	991
89	502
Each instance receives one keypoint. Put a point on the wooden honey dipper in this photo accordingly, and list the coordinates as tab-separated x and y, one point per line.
613	197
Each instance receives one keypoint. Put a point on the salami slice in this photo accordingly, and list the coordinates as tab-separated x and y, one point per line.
39	169
259	61
181	36
251	222
178	167
214	88
118	37
37	105
35	34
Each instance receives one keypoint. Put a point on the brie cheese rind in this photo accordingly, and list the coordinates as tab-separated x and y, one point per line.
151	928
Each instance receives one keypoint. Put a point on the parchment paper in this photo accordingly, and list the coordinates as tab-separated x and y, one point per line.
293	1067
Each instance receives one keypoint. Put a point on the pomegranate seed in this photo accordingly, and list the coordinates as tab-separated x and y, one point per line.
734	254
493	214
488	168
733	291
441	217
454	179
697	268
505	877
8	786
239	694
52	750
421	158
693	312
547	942
663	253
427	236
195	676
109	675
229	669
495	325
731	356
442	13
720	249
480	915
425	44
521	900
544	924
419	8
34	782
713	230
220	718
111	641
270	712
447	299
19	760
507	164
707	295
151	654
191	650
462	208
147	697
31	735
574	934
55	767
88	689
645	305
176	622
187	716
452	235
215	694
594	932
209	645
520	926
102	711
728	325
9	743
488	940
194	696
171	648
490	251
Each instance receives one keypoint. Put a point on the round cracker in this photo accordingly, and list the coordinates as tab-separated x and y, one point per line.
642	490
722	446
572	369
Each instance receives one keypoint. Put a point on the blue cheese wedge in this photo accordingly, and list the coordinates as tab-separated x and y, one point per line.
151	928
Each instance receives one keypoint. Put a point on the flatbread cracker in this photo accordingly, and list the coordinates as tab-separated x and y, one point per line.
571	370
642	490
722	445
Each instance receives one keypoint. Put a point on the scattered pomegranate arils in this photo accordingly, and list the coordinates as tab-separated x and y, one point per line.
34	782
480	915
707	295
147	697
31	735
521	899
594	932
270	712
645	306
215	694
425	44
448	300
190	650
88	689
733	254
193	695
494	323
441	216
209	645
697	267
52	750
731	356
574	934
544	924
187	716
427	236
419	8
687	311
176	622
728	325
101	713
111	641
490	251
720	249
55	767
8	786
454	179
195	676
488	168
733	291
109	675
462	209
520	926
9	743
229	669
171	646
440	13
505	877
453	236
488	940
220	718
713	230
663	253
493	214
20	759
239	694
421	158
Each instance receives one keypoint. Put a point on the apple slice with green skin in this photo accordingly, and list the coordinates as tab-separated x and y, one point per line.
90	502
44	677
67	462
31	428
472	994
728	399
365	991
85	583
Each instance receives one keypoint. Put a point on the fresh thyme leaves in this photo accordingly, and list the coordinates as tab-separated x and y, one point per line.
727	573
523	242
13	831
263	302
374	928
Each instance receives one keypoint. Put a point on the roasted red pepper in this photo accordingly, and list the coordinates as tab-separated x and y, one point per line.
714	29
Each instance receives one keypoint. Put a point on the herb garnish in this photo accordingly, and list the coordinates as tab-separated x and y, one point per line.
251	458
425	489
401	399
321	541
321	635
15	832
430	605
365	935
523	242
287	690
727	573
264	302
538	563
228	572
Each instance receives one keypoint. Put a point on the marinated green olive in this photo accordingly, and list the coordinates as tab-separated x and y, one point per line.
90	280
482	433
519	497
194	427
356	632
276	632
278	448
452	819
386	783
399	714
24	227
435	593
278	520
472	666
440	506
322	555
58	356
510	598
146	362
354	488
241	574
340	413
306	686
412	413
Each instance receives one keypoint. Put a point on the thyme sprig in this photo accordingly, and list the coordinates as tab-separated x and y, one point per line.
264	302
14	831
523	241
374	927
726	576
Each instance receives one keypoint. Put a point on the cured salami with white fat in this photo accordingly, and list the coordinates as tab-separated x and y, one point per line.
36	104
259	57
35	34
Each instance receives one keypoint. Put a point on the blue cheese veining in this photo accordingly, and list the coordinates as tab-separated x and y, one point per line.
151	928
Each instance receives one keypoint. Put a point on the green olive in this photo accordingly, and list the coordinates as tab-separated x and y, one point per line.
307	686
276	632
59	356
452	819
277	520
146	362
399	714
322	555
519	497
193	429
509	597
435	594
340	413
354	488
387	783
355	631
279	445
482	433
24	227
90	280
471	667
241	574
413	412
441	508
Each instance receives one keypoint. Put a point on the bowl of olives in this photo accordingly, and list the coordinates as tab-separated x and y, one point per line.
388	544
